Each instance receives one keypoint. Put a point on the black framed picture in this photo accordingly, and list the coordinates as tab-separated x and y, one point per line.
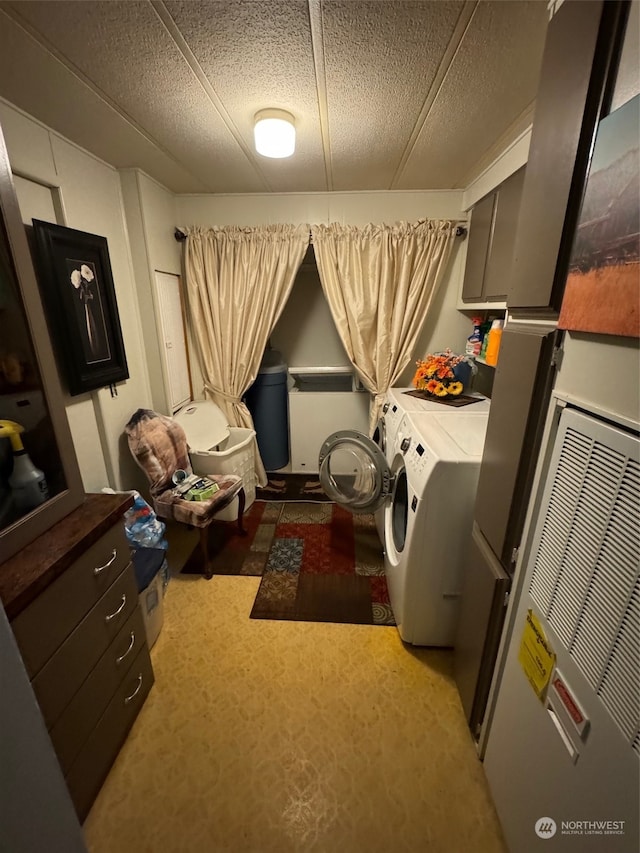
75	278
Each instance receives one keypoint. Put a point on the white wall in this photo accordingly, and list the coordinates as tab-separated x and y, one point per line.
354	208
305	334
151	216
86	195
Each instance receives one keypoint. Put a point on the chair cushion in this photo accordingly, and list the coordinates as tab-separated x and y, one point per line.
198	513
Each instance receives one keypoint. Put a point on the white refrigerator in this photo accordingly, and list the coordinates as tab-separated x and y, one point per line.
563	754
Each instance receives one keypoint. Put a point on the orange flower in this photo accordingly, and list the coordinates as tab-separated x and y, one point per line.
431	386
419	376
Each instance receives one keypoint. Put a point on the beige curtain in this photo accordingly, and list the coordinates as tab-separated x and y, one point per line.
379	282
237	283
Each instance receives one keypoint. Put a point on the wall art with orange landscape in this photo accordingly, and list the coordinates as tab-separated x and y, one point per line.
602	293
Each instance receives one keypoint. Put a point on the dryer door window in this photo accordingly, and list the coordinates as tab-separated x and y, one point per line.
400	511
354	472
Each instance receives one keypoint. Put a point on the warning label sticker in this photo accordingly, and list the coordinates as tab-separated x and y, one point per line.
536	657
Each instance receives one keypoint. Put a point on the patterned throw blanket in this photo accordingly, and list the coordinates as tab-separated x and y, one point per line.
159	446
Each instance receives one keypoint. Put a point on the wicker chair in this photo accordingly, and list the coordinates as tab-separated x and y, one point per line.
159	446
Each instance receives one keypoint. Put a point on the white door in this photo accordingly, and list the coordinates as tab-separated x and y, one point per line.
173	339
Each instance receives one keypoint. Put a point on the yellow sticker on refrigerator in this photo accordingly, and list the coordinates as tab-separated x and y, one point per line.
536	656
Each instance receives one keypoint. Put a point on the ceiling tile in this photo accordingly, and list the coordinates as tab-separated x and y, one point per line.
396	94
56	97
124	49
381	59
492	80
258	56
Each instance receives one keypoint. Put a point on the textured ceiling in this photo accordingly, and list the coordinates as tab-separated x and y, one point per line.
387	94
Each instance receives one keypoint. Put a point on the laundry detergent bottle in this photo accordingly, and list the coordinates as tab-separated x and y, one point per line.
28	483
474	341
493	346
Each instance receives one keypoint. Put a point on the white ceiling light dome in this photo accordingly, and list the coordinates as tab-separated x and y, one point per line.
274	133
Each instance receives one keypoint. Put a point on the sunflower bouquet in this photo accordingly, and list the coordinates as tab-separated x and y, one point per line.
441	374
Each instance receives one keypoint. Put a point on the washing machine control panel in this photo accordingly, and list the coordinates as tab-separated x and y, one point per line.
418	458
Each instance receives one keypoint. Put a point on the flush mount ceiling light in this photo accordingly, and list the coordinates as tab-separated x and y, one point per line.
274	133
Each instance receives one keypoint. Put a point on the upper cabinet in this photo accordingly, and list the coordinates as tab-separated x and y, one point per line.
579	51
491	239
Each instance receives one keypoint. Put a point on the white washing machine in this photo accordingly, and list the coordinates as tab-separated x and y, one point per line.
427	493
397	404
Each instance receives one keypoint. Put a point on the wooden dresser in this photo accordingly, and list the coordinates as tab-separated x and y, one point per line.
72	601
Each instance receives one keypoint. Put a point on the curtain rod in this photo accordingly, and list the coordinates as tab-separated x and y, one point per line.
461	231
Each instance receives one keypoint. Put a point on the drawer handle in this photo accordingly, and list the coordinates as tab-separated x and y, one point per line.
99	569
124	655
117	612
135	692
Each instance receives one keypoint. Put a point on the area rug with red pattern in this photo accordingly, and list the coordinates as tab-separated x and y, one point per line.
318	562
323	564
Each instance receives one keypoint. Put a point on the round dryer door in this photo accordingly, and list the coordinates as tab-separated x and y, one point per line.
380	435
354	472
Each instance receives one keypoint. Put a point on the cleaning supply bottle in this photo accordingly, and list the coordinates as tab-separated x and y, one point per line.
493	345
474	341
28	483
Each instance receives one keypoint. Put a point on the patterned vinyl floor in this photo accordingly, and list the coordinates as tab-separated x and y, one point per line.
267	736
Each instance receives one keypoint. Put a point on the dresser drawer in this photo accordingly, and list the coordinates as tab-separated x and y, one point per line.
90	768
64	673
81	715
49	620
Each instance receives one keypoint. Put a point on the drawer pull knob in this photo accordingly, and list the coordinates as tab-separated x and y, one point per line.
117	612
99	569
135	692
124	654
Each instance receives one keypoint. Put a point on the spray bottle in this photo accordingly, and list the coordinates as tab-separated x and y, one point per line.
28	483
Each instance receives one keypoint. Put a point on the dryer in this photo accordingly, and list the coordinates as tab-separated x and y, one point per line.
397	404
427	493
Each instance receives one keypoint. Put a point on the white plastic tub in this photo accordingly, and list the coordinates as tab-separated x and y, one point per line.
234	455
151	602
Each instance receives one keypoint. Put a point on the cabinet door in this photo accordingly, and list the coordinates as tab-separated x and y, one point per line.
521	383
574	69
500	260
478	249
482	609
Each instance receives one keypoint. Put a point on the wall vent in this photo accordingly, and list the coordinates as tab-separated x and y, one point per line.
585	578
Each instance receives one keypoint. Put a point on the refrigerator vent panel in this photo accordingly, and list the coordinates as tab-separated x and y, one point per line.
585	578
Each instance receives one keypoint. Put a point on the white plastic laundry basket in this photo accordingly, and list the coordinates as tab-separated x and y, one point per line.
234	455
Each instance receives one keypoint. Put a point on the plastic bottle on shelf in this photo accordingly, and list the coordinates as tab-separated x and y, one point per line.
484	330
493	344
474	341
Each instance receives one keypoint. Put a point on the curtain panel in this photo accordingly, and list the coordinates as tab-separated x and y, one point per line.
379	282
237	283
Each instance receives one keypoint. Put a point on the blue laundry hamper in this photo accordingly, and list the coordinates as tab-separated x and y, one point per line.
268	401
